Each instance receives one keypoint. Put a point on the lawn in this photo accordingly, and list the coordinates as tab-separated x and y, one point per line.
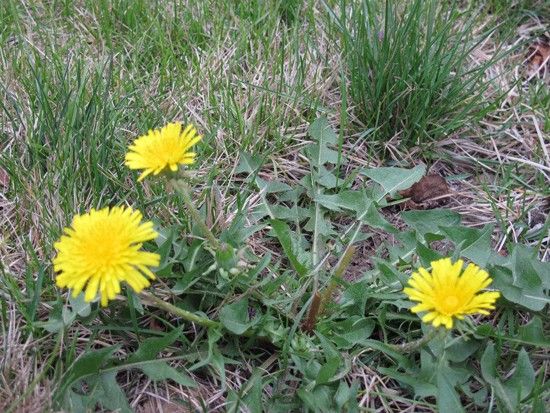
346	148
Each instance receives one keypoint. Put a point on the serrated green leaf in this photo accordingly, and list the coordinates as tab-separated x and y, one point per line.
272	187
158	370
421	387
503	282
248	163
63	316
356	201
55	321
461	349
524	272
165	246
520	281
526	276
426	255
523	378
543	270
80	306
321	131
319	153
326	178
186	281
284	235
253	398
151	347
88	364
395	179
352	331
74	402
447	397
318	400
405	249
430	220
403	361
517	387
235	317
110	395
373	218
389	274
144	359
319	223
472	243
354	297
533	333
328	370
342	394
295	213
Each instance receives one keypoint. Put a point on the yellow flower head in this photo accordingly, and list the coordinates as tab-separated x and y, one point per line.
446	293
163	149
101	249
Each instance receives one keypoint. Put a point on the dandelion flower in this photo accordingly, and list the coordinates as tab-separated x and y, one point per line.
163	149
447	292
101	249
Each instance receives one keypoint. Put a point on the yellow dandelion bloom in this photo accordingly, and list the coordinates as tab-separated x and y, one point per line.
447	292
101	249
163	149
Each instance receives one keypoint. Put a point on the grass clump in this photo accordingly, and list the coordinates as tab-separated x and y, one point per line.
408	68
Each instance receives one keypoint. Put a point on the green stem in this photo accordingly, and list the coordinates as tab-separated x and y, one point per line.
185	191
415	345
180	312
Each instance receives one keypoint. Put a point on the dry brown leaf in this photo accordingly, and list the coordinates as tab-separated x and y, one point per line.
428	188
155	325
539	58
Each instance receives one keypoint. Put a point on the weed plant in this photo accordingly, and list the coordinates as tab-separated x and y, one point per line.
276	276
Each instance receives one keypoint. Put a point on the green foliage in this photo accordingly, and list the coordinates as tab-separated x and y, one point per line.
460	369
91	379
408	68
516	387
80	79
234	317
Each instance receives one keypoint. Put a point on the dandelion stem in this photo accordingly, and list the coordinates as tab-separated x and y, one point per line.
185	192
180	312
415	345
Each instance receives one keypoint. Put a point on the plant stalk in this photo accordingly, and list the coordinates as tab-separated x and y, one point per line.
415	345
184	190
179	312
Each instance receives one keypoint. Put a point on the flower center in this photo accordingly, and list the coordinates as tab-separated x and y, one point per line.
105	248
450	304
